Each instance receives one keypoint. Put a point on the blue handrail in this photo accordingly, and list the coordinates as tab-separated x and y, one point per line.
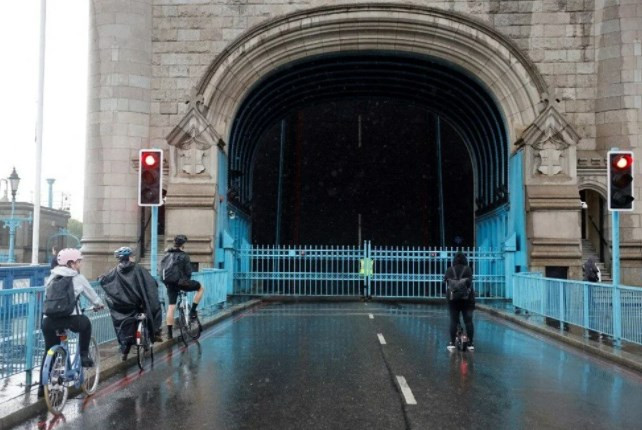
21	342
589	305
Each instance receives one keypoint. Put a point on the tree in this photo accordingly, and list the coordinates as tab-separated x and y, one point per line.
75	227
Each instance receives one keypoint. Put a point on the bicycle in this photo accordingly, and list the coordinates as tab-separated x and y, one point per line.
461	339
64	373
189	327
144	345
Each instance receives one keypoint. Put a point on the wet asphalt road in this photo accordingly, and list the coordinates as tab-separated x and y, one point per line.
322	366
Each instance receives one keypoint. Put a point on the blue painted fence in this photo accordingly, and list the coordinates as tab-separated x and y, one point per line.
585	304
21	342
393	272
23	276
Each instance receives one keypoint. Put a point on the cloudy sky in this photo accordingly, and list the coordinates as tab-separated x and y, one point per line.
65	96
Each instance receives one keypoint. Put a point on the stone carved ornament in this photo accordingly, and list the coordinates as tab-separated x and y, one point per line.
549	152
192	140
549	140
192	153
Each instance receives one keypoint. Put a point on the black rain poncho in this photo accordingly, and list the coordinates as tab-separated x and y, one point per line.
130	289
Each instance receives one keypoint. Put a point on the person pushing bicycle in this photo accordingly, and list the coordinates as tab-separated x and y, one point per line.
176	274
460	296
61	310
130	289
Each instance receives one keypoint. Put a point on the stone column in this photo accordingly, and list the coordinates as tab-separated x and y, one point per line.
552	199
120	68
618	110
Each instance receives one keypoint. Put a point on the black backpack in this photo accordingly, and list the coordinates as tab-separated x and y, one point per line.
458	288
60	300
170	270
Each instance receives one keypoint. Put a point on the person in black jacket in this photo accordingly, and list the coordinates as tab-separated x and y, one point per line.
461	270
591	272
130	289
185	282
54	258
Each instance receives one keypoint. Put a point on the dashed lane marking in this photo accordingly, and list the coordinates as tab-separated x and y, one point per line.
371	316
406	391
382	340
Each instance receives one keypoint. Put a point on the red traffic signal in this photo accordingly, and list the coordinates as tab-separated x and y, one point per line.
150	159
620	174
150	177
622	161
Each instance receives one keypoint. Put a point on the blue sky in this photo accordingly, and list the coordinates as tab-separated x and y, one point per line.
65	96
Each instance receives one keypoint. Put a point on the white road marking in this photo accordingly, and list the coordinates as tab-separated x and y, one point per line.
371	316
406	391
381	339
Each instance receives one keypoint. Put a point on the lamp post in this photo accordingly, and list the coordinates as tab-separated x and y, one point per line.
13	222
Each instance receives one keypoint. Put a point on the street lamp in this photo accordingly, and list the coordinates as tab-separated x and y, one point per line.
14	180
13	223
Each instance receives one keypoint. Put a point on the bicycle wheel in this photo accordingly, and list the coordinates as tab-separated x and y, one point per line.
56	391
183	324
144	351
194	328
92	374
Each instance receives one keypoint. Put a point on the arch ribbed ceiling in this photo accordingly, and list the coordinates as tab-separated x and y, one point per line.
432	85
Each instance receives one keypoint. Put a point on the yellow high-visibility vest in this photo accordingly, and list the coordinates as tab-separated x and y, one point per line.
366	267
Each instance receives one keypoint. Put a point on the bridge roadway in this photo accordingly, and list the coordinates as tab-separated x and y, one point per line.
323	366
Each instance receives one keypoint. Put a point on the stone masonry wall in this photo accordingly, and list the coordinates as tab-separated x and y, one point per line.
557	35
149	54
618	108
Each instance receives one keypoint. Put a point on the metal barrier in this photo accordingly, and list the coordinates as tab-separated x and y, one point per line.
419	272
21	341
16	276
396	272
299	271
585	304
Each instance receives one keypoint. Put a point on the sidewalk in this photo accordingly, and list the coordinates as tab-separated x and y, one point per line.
629	355
19	403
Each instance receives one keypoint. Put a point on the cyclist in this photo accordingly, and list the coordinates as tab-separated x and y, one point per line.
179	260
460	271
69	261
130	289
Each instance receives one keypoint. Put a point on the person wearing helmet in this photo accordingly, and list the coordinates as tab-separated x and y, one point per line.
69	261
130	289
179	259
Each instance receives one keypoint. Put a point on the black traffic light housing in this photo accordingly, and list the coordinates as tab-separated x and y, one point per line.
620	180
150	177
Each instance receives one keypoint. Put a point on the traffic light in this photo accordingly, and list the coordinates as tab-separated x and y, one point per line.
620	177
150	177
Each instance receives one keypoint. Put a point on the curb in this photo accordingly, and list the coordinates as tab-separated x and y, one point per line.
114	365
575	343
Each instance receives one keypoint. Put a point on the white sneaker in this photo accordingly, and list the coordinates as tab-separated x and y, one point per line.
471	347
450	347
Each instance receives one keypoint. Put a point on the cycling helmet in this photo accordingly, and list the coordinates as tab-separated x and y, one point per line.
180	239
67	255
123	252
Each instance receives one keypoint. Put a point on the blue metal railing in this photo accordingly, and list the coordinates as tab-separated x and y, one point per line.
23	276
395	272
585	304
21	341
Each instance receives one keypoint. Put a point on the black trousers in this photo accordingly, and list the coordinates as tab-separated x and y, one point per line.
466	309
77	323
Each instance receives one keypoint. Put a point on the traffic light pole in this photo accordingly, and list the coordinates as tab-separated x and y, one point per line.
617	314
154	228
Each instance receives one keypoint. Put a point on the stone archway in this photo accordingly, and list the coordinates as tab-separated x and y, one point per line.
544	140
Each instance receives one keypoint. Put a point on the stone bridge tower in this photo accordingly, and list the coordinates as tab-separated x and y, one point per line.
566	76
